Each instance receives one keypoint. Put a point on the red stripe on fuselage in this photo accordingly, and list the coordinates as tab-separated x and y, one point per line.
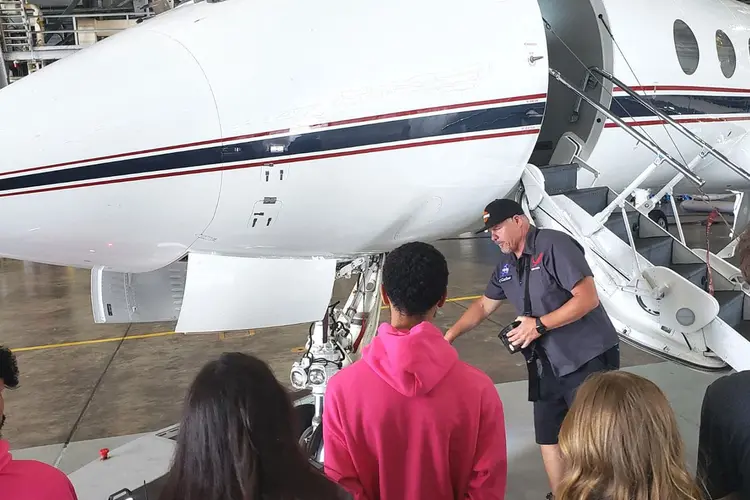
683	88
646	123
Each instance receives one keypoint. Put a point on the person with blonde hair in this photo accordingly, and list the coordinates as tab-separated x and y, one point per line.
620	441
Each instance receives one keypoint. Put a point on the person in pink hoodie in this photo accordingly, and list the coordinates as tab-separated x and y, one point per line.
409	420
25	479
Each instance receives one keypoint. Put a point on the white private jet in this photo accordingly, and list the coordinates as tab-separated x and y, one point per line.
223	163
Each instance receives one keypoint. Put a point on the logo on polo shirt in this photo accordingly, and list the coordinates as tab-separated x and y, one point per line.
505	274
536	261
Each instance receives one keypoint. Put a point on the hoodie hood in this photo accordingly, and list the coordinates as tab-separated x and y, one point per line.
412	362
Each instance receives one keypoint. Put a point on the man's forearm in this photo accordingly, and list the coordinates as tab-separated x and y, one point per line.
573	310
475	314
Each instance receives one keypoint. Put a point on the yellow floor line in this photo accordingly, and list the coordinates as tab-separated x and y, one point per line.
95	341
154	335
463	299
454	299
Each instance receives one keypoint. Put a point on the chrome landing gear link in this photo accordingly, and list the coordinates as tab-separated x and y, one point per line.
336	340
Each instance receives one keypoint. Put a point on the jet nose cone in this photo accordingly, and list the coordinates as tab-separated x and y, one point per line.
80	137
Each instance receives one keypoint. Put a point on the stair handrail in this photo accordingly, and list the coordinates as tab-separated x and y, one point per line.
576	231
680	127
630	130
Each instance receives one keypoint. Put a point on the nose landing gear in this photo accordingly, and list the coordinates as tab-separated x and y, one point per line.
334	343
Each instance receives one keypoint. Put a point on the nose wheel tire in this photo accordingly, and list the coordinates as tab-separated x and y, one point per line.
311	442
310	438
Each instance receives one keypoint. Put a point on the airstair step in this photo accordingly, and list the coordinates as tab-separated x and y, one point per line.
616	224
592	200
657	250
695	273
730	306
560	178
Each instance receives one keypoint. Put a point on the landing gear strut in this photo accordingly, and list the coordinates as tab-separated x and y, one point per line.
335	342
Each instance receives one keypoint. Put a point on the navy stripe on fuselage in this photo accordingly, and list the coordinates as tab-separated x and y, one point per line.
324	140
369	134
675	105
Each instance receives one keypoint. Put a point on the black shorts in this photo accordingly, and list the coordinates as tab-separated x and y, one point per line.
556	394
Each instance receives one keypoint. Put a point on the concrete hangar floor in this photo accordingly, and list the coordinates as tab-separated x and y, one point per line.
82	385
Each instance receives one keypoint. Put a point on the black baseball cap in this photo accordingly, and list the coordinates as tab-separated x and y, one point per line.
498	211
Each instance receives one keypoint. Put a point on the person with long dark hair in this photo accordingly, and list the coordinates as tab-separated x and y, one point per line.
238	439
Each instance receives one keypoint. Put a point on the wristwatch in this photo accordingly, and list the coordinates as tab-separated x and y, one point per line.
540	328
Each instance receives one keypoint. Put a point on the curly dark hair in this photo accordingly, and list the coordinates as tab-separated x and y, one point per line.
415	277
8	367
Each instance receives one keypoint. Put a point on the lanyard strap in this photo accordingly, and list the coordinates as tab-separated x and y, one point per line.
527	274
530	353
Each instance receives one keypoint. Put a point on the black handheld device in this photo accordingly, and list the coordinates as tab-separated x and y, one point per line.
503	336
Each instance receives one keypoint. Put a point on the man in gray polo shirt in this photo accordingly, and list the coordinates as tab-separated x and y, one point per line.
565	334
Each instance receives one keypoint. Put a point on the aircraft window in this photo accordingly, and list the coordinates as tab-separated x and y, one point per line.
686	46
725	51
